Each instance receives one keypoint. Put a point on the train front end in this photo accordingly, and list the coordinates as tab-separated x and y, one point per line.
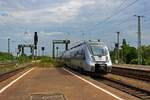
100	59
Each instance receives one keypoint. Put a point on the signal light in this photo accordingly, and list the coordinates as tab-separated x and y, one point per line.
35	38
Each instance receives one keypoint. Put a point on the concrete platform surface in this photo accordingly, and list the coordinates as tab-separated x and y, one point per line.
48	83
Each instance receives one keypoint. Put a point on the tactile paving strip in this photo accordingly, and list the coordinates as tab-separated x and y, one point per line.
45	96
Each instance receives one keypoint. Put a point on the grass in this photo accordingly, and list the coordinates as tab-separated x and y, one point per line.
8	68
4	69
45	62
48	62
10	62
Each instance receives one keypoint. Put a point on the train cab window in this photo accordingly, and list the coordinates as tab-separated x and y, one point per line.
99	51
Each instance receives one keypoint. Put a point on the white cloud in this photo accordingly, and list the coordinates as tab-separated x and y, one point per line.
52	33
58	13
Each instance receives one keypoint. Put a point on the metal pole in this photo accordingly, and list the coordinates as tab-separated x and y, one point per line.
36	53
57	51
42	52
83	34
118	33
22	50
9	45
139	40
32	52
66	46
53	50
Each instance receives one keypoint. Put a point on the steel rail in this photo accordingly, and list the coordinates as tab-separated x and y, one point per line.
143	75
125	87
9	74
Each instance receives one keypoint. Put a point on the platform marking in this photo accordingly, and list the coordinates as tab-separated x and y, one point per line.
94	85
11	83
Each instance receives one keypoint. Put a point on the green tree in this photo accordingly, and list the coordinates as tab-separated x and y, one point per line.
124	45
113	55
146	55
127	53
131	53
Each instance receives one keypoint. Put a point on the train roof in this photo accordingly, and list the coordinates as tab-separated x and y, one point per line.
89	43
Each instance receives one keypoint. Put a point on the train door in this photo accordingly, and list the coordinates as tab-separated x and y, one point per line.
78	58
83	58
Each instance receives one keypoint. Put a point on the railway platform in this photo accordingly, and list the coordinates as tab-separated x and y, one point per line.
57	83
129	66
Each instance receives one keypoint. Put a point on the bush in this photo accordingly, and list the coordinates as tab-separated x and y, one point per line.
23	58
5	56
49	62
147	61
134	61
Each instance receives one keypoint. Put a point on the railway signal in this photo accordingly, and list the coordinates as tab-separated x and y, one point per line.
42	48
35	38
66	42
22	46
35	42
57	51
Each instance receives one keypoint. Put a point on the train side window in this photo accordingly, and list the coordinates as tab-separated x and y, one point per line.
75	54
71	54
83	54
78	55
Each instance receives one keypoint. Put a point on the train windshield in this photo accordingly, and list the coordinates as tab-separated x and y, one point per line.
98	50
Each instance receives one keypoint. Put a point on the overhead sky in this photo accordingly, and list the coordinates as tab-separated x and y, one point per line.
72	19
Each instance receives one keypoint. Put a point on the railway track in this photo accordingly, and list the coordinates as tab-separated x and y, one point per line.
143	75
7	64
9	74
132	90
120	85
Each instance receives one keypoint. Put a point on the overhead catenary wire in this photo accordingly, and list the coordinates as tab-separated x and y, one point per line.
118	12
122	3
124	21
115	13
